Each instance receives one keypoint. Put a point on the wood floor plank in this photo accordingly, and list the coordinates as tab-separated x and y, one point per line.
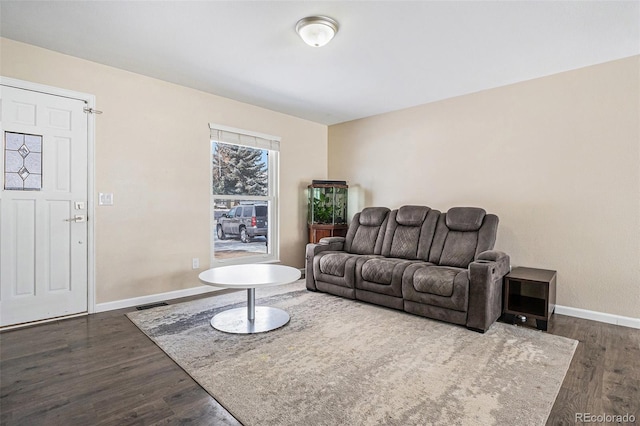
93	370
101	370
604	373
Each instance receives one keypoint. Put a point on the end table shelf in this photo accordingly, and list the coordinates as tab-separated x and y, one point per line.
530	292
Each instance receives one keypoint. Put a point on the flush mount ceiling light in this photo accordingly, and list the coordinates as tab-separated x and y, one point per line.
316	31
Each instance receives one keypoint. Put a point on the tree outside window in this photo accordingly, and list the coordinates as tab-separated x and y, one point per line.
239	170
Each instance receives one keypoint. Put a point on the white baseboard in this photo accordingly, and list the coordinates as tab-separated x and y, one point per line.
598	316
153	298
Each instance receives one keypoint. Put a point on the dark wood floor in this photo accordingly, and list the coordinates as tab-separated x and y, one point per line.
101	370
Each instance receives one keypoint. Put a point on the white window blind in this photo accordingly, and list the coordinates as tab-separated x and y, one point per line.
244	138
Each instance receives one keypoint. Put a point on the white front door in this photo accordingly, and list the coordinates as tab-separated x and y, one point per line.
43	206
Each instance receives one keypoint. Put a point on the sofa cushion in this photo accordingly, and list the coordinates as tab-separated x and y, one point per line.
411	215
405	242
366	231
379	271
441	286
336	268
382	275
459	249
409	232
373	216
465	218
364	241
435	280
334	263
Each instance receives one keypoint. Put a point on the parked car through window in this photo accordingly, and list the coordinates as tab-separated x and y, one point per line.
244	222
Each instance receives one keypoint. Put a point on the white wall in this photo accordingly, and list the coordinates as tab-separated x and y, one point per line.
152	152
556	158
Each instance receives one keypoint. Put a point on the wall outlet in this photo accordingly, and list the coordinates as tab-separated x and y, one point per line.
105	199
195	263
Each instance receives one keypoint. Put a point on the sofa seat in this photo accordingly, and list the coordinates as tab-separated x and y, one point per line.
383	271
379	281
435	280
426	295
442	286
335	263
335	271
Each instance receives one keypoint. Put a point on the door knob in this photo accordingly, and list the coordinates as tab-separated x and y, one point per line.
77	218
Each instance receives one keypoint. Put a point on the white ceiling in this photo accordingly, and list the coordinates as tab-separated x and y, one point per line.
387	55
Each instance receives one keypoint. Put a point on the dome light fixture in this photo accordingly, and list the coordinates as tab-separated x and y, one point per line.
316	31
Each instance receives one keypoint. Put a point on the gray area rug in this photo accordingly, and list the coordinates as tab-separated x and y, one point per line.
342	362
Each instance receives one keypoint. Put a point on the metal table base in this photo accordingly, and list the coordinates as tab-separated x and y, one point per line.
249	320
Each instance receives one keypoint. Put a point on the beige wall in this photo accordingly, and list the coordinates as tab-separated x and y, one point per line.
152	152
556	158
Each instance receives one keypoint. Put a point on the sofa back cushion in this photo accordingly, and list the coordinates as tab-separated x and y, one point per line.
409	232
461	234
366	231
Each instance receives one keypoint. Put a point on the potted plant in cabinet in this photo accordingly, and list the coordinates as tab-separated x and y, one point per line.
327	214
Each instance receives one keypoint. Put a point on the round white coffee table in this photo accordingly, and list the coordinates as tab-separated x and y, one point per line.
252	319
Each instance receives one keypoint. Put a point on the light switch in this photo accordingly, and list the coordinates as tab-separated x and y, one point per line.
105	198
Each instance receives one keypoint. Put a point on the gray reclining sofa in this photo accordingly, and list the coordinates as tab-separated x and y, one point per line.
422	261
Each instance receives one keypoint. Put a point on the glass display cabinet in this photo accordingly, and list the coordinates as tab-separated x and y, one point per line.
327	215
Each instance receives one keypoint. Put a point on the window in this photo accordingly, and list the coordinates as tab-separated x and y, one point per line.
244	202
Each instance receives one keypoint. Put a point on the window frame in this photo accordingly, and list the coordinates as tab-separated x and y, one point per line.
273	213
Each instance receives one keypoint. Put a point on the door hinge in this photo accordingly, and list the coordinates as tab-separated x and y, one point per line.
91	110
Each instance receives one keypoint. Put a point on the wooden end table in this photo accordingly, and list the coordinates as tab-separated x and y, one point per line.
530	292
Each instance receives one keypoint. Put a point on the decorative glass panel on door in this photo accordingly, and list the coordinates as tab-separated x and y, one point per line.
23	162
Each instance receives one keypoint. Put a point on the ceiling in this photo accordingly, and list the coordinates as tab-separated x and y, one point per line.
387	55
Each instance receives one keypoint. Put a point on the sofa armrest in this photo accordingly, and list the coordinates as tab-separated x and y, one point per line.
492	255
485	289
327	243
333	240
